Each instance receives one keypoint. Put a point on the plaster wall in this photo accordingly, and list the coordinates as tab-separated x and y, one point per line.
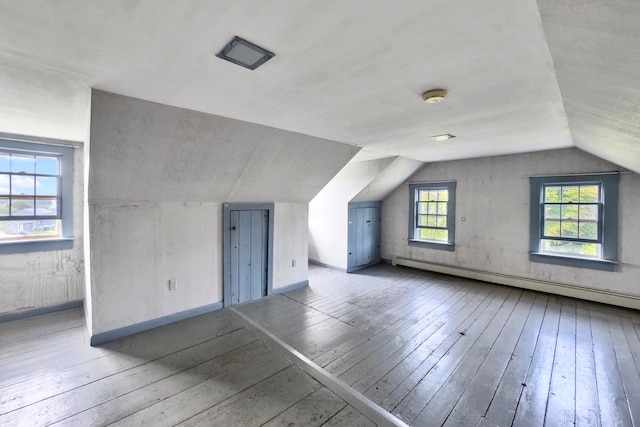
291	243
42	279
158	179
328	211
492	194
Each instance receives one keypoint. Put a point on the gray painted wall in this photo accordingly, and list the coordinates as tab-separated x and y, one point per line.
43	279
493	196
157	181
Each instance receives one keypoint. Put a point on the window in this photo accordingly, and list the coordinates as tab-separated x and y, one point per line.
574	220
35	196
432	215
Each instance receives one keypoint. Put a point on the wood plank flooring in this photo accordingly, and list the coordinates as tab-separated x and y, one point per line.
440	350
209	370
431	349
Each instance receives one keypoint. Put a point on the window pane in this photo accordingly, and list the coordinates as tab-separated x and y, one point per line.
22	163
423	195
552	194
422	207
22	207
422	220
433	195
589	230
46	186
589	193
431	221
437	235
47	165
443	195
552	228
46	206
441	221
4	206
570	212
22	185
569	229
432	208
442	208
572	248
552	211
589	212
570	194
4	184
5	162
30	229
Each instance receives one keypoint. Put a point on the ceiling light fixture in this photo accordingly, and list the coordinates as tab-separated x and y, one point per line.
244	53
434	96
442	137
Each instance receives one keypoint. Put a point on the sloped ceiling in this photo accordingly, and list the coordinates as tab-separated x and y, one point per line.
520	76
596	51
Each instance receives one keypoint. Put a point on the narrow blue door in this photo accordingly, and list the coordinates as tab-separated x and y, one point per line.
248	255
363	235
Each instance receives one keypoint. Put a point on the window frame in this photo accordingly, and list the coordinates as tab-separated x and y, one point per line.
65	197
449	245
607	221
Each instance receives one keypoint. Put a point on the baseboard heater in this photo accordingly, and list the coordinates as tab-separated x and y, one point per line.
597	295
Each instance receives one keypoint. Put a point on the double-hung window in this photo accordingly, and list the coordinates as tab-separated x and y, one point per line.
432	215
35	196
574	220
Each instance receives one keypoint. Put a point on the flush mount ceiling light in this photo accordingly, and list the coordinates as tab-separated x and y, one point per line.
442	137
434	96
244	53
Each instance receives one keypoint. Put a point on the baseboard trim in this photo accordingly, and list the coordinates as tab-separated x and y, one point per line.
290	287
322	264
596	295
23	314
114	334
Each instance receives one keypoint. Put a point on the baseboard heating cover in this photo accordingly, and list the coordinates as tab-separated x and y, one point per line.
597	295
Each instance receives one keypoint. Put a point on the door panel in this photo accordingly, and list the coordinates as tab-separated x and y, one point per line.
352	244
364	236
248	254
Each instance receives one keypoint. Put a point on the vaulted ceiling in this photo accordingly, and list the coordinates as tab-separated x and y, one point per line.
521	75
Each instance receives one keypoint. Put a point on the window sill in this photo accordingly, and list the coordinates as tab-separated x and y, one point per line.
36	246
432	245
595	264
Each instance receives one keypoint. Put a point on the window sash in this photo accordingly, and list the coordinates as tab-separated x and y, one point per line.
598	221
435	208
34	197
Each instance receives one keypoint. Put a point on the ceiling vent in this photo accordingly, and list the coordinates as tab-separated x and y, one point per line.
244	53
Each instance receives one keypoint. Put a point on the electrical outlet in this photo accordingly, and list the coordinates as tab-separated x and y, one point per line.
173	284
293	263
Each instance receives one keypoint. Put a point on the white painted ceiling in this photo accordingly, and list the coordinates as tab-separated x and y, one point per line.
521	75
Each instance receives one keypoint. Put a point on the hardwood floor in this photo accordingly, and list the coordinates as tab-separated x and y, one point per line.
209	370
440	350
431	349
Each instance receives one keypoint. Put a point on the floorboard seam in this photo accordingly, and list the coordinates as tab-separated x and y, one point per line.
354	398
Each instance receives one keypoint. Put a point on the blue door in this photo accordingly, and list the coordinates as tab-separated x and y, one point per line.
248	254
363	235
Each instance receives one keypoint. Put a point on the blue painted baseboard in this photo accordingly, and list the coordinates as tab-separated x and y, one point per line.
290	287
22	314
104	337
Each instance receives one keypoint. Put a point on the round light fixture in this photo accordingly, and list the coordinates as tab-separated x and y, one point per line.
434	96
